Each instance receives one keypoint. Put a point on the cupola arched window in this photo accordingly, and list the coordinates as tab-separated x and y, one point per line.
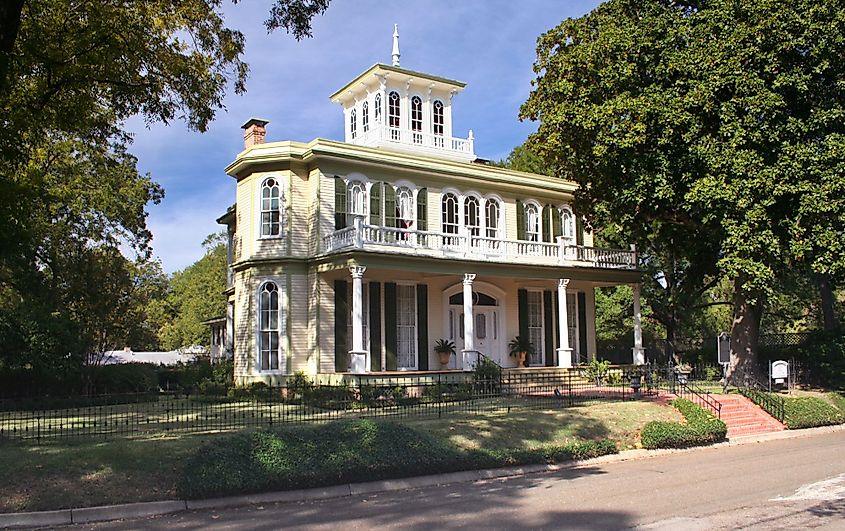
269	324
271	206
353	123
416	119
365	117
393	114
356	201
438	122
377	108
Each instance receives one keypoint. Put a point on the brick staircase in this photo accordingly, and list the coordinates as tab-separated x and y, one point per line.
744	417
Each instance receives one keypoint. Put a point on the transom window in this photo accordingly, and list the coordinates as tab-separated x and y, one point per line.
356	200
270	208
532	222
269	326
365	116
353	123
416	119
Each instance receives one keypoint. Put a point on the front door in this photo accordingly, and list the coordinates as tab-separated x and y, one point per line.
486	331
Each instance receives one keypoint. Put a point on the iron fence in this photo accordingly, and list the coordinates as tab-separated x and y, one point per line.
265	407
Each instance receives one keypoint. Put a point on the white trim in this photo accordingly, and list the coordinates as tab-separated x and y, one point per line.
283	204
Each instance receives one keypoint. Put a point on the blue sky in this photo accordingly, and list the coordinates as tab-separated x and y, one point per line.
488	44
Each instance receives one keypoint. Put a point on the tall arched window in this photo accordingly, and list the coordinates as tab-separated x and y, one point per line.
377	108
472	216
271	206
450	219
532	222
438	122
404	207
567	223
356	201
269	325
492	212
393	114
416	119
353	123
365	117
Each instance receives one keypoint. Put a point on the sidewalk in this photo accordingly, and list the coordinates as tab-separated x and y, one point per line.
138	510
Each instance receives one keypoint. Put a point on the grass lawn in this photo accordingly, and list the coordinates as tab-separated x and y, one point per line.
65	474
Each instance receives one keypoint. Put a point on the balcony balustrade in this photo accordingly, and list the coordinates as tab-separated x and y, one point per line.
474	247
380	135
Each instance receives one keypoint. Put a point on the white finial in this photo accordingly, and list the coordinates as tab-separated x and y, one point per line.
396	45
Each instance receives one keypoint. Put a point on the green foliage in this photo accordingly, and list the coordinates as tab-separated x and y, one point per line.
344	452
597	370
520	344
444	346
186	377
809	412
126	378
701	428
838	400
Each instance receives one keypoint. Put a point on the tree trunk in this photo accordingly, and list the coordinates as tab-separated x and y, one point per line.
829	318
745	333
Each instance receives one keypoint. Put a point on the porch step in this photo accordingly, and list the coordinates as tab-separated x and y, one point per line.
744	417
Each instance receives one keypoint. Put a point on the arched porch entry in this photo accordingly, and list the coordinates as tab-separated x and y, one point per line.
489	306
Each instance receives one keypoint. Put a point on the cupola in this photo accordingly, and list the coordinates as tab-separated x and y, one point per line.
394	108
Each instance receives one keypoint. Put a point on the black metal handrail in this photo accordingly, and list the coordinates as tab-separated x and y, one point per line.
772	404
703	397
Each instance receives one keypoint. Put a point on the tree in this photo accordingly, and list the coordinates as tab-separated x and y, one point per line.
715	126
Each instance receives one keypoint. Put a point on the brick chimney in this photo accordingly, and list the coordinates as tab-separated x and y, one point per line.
254	131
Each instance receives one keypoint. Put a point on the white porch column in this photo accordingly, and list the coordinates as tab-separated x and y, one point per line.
469	322
359	355
564	352
639	351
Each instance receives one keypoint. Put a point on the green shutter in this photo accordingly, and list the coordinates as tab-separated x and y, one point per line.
582	324
549	326
556	228
375	204
375	326
341	316
579	231
522	299
389	206
520	220
422	209
339	203
390	343
547	223
422	327
556	317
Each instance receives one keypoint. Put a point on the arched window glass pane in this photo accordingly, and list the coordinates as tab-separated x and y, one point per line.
405	206
493	210
270	208
353	123
567	223
450	219
356	194
365	116
472	215
393	115
269	325
438	122
416	119
532	222
377	108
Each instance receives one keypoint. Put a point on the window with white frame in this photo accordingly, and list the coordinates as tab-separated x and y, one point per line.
416	119
405	207
450	219
365	117
353	123
472	215
269	327
356	201
567	223
535	326
532	222
406	326
377	108
271	207
438	122
393	114
492	210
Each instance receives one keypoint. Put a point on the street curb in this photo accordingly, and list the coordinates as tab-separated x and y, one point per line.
157	508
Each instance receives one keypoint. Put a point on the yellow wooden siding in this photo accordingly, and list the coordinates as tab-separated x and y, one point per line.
326	324
244	360
300	206
299	324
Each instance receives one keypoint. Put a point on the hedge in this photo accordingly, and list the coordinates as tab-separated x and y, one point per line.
810	412
346	452
701	428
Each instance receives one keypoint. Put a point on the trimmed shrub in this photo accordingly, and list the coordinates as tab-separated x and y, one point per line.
126	378
838	400
810	412
701	428
344	452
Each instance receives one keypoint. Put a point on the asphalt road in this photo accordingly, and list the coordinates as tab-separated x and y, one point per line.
794	483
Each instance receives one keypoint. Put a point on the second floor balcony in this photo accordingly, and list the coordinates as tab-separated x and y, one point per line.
464	245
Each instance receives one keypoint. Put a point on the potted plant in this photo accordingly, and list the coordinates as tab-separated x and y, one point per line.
520	347
444	349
